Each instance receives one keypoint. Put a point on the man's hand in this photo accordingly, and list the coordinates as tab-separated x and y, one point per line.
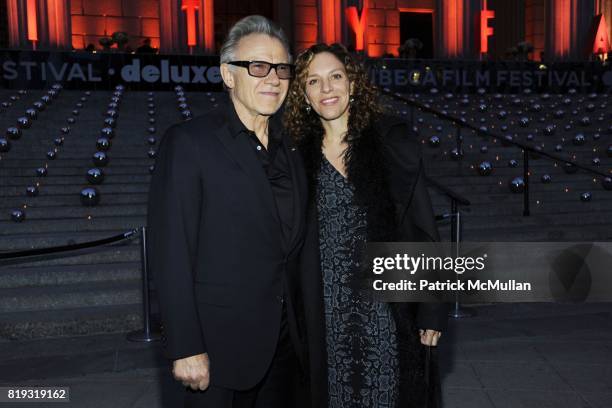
193	371
429	337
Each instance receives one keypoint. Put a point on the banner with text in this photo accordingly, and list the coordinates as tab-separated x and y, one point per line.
477	272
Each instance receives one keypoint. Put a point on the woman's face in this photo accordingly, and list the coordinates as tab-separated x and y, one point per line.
327	87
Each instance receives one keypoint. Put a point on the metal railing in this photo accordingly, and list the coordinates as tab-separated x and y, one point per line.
526	149
148	333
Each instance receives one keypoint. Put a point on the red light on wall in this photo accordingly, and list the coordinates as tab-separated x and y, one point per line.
32	25
601	42
328	17
485	30
209	26
358	24
562	23
190	7
452	20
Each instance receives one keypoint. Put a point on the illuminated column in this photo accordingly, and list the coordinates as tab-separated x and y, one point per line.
39	24
208	24
455	34
330	21
18	24
57	24
568	28
580	41
169	30
185	25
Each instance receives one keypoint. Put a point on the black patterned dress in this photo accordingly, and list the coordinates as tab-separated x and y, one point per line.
361	334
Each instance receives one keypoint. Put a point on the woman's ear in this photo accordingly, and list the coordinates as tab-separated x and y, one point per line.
227	75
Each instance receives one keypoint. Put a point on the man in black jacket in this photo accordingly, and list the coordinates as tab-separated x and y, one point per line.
226	220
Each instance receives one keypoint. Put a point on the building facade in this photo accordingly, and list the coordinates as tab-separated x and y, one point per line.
467	29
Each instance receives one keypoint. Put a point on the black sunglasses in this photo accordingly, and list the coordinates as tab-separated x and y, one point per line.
261	69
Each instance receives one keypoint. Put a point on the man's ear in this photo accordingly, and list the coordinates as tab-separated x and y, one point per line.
227	75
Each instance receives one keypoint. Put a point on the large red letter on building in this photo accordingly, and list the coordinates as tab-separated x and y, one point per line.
485	30
357	24
601	43
190	7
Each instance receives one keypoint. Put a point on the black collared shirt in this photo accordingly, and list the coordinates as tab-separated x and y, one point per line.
275	164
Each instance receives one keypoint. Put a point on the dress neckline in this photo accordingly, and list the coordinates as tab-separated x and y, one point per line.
334	168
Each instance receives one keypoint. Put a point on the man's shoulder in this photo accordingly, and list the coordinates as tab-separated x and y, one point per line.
200	128
399	139
209	121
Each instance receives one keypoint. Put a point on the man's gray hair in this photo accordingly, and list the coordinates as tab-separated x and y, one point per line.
251	25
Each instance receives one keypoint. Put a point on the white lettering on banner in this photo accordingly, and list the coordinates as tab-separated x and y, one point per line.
430	78
174	74
90	75
483	78
65	72
9	70
213	74
28	66
164	70
76	71
401	77
170	73
56	75
150	73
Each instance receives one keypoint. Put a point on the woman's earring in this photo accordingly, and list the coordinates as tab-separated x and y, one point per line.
308	108
351	100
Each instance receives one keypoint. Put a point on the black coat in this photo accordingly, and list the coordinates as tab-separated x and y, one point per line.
214	235
401	163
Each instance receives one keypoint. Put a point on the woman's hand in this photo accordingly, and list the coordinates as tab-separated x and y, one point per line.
430	337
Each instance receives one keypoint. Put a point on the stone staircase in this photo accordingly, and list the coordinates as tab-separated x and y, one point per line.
495	213
98	290
88	291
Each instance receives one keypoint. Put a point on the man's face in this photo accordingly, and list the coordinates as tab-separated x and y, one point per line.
251	95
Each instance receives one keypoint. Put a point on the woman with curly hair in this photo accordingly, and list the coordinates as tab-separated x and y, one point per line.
366	184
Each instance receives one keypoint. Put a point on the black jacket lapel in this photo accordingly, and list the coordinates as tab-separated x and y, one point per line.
242	152
300	192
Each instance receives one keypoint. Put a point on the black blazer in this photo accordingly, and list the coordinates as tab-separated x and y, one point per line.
214	235
415	222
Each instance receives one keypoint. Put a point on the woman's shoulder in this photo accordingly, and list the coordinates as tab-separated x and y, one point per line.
398	137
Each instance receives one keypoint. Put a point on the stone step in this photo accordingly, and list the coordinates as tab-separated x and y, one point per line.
51	275
70	322
22	181
544	220
69	226
122	252
69	296
81	212
107	187
82	162
51	239
558	232
72	199
556	209
58	171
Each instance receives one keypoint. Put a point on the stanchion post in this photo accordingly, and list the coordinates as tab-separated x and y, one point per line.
458	311
526	211
147	334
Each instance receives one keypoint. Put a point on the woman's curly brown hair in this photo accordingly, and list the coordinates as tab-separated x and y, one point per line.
365	107
363	157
